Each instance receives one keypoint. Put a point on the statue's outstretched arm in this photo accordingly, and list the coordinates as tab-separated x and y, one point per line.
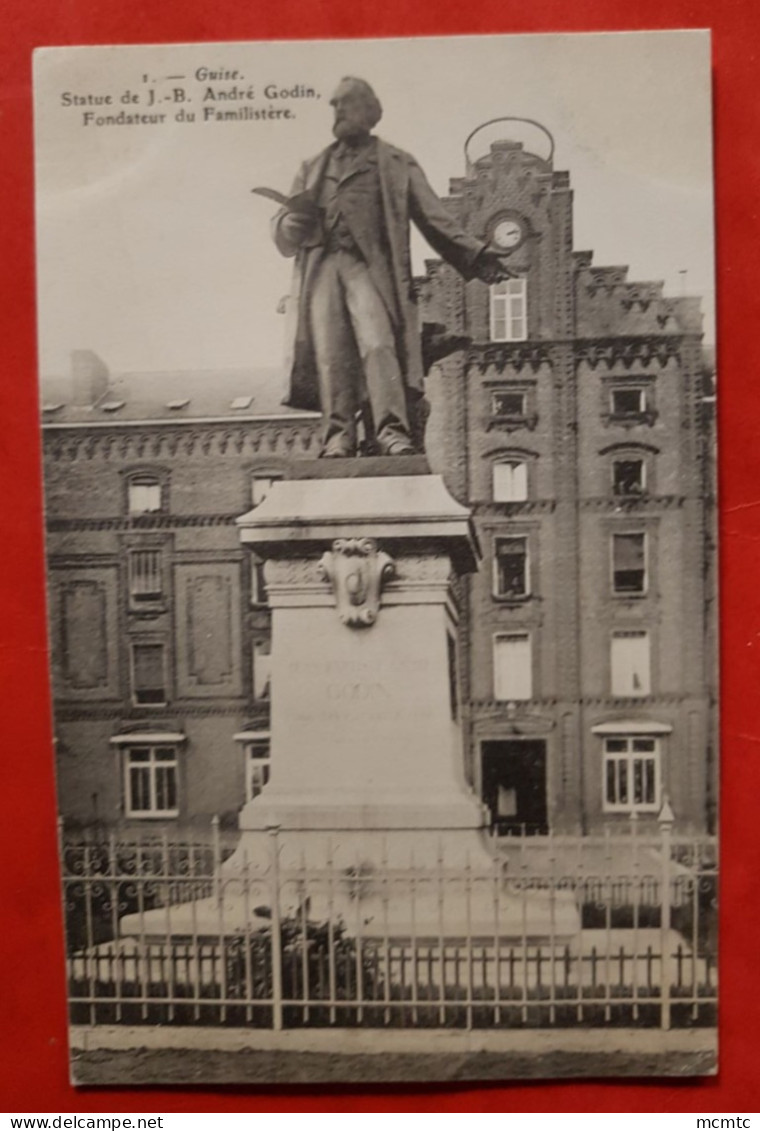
439	227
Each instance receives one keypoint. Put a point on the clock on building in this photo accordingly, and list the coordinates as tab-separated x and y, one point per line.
508	233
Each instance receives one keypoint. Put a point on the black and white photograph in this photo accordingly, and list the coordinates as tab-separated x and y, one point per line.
377	386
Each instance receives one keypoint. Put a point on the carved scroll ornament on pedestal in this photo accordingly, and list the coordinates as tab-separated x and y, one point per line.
356	569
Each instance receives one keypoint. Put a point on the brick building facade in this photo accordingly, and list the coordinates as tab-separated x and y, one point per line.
159	630
577	428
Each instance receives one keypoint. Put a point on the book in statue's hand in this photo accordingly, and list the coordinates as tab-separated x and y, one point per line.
303	202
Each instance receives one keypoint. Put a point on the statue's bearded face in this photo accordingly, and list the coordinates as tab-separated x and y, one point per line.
353	112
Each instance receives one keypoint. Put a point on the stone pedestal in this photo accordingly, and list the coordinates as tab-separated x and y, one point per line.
367	819
367	759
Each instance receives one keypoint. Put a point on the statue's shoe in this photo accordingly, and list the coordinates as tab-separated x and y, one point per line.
399	447
337	451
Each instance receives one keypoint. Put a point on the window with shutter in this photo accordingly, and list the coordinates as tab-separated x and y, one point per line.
511	571
629	575
513	662
510	481
630	664
148	674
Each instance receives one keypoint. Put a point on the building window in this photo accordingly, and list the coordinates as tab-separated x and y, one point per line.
513	663
262	665
144	495
511	568
508	404
150	781
261	485
630	664
628	402
510	481
629	574
509	315
631	774
144	576
149	674
628	477
257	765
258	582
453	676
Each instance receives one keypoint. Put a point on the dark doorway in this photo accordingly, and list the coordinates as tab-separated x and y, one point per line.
514	785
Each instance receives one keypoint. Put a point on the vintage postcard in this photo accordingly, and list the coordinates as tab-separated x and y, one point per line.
378	404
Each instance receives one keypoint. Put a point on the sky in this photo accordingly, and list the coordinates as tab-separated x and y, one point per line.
153	252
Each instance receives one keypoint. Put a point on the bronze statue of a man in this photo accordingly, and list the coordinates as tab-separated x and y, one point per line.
354	324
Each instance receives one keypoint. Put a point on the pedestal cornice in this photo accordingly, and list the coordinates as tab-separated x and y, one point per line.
299	517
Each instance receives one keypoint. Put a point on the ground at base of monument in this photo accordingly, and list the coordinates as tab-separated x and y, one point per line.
273	1067
140	1055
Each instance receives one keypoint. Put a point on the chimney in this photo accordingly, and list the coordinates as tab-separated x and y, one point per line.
89	377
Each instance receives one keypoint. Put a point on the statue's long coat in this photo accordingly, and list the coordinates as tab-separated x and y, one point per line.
406	195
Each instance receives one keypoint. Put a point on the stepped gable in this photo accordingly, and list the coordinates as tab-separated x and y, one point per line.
609	303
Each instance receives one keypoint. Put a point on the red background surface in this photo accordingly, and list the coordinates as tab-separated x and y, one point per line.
33	1065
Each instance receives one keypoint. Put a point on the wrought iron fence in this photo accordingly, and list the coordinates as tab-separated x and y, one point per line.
560	931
